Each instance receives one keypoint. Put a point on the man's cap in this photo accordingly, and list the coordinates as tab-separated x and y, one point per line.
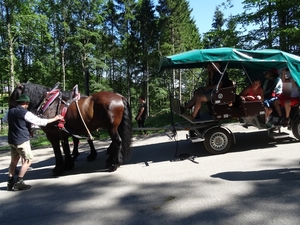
23	98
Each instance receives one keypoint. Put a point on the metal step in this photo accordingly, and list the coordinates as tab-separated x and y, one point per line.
204	118
276	135
196	139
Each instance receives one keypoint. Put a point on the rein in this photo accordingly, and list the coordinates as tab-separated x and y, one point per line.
89	133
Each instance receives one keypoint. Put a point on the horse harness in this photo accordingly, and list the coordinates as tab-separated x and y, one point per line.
53	95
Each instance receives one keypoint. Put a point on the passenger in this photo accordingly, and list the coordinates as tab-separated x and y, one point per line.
287	101
253	92
205	95
272	87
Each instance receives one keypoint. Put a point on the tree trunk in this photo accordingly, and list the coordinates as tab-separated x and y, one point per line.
63	67
11	59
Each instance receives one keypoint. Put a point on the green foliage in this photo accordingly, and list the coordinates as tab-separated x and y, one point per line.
120	42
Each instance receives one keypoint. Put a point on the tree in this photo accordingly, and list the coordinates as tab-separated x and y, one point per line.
178	33
18	19
276	24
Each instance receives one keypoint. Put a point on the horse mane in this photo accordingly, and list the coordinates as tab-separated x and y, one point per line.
36	93
14	96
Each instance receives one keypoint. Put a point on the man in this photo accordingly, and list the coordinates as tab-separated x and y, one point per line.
142	114
214	77
19	122
272	86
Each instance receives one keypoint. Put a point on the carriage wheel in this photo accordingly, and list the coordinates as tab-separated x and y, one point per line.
296	128
217	140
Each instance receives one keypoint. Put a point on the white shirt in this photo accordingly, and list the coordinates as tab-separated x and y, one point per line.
31	118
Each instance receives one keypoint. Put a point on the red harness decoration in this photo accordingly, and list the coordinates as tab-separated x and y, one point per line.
51	96
61	123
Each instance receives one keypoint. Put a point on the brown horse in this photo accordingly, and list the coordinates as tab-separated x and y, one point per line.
106	110
35	102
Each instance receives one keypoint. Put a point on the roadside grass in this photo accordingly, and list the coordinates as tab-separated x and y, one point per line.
159	121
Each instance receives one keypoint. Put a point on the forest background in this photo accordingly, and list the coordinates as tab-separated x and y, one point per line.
116	45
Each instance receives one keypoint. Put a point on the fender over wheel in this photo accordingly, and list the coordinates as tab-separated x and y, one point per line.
218	140
296	128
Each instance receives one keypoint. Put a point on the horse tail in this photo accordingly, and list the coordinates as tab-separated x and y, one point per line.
125	130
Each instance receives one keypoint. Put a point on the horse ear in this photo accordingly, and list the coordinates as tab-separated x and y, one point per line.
19	88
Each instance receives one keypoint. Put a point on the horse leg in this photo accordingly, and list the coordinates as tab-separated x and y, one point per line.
93	154
109	149
75	152
109	152
69	162
115	158
59	162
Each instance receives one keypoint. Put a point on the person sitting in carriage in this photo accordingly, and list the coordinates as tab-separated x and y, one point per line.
272	86
253	92
287	101
214	71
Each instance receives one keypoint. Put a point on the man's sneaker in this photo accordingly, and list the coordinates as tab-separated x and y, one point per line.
20	185
269	124
285	122
10	184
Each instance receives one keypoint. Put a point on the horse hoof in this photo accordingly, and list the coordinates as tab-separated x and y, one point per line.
75	155
91	157
113	167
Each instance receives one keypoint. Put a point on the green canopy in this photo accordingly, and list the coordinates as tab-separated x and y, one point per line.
254	62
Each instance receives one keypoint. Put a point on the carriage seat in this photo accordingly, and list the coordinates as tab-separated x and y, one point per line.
224	95
175	106
252	108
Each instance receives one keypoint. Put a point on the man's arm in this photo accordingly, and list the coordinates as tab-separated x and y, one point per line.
31	118
140	114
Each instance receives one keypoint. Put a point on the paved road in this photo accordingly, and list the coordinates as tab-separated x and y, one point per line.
257	182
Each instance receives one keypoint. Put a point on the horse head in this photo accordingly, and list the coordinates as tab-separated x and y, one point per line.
35	92
12	101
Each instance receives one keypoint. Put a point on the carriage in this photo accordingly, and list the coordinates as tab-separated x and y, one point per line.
225	104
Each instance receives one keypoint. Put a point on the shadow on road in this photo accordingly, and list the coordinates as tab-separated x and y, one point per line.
282	174
148	153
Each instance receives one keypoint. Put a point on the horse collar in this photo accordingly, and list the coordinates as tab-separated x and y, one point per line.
50	97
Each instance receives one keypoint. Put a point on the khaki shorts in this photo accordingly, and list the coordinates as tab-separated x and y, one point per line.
23	150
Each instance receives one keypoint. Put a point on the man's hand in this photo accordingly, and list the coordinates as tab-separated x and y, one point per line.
59	117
